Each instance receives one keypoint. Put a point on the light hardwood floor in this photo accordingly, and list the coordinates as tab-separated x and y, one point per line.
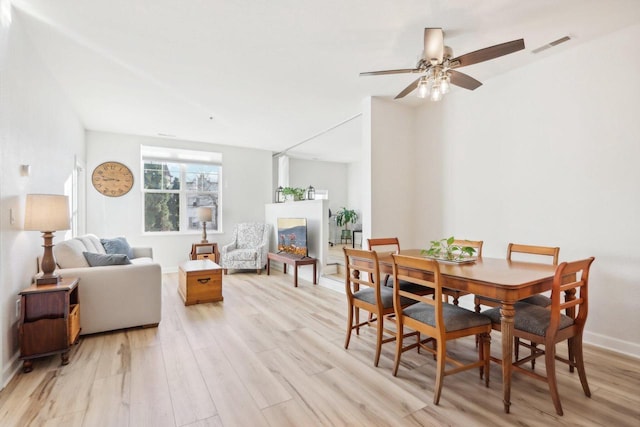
271	354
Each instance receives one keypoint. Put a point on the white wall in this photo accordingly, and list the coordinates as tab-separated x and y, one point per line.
548	155
330	176
394	173
37	127
246	187
355	187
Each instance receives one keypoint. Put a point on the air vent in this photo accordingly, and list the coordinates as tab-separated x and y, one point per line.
551	44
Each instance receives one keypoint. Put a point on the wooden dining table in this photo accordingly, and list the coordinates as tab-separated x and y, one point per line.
501	279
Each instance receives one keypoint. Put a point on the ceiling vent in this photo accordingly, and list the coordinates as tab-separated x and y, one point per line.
551	44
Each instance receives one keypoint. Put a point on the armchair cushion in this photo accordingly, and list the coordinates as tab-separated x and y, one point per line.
242	255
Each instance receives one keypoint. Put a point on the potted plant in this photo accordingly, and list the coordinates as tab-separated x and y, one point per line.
293	193
445	249
343	217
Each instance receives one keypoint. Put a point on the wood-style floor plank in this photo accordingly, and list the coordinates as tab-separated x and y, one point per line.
273	355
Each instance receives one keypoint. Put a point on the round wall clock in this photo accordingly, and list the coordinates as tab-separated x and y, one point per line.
112	179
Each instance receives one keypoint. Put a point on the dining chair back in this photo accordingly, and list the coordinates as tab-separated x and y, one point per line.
564	320
437	319
475	244
529	252
387	245
363	290
553	252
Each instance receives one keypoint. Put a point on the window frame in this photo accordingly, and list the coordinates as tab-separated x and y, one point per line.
183	159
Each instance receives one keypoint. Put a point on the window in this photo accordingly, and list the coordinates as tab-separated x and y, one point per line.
176	183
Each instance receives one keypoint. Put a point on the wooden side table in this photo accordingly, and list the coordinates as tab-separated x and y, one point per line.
205	251
200	281
294	260
49	321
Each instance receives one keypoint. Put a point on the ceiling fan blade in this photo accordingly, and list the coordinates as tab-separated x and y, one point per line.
382	73
407	90
433	45
488	53
463	80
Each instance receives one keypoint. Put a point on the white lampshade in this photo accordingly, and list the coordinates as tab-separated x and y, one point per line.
46	212
205	213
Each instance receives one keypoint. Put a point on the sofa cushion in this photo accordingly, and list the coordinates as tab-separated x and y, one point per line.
92	243
117	245
69	254
141	260
99	260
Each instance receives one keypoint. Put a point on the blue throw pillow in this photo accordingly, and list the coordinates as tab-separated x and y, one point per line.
118	245
99	260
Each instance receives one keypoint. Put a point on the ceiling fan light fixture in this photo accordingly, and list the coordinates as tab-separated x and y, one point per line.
423	88
436	93
445	81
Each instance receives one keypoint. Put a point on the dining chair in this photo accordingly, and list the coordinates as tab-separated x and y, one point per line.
439	320
363	269
549	326
475	244
389	245
529	252
384	245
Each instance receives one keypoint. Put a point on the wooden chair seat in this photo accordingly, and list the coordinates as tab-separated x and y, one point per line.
368	295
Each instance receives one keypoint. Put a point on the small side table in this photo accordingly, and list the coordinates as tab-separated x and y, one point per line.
49	321
294	260
205	251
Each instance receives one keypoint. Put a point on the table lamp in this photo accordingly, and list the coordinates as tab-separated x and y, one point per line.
205	213
47	213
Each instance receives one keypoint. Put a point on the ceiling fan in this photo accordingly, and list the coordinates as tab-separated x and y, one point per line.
438	65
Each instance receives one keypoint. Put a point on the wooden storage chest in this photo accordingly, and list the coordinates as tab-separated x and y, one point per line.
200	281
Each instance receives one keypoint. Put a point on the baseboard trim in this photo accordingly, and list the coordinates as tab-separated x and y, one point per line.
614	344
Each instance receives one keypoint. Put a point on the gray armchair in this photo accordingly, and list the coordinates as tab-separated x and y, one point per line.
249	247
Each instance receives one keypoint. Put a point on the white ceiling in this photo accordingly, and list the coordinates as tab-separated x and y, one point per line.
271	74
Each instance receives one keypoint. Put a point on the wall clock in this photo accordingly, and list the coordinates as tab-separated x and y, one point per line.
112	179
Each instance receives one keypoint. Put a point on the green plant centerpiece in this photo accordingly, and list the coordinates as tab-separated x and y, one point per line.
344	217
293	193
445	249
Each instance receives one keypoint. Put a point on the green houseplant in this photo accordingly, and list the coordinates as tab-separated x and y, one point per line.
293	193
446	249
343	217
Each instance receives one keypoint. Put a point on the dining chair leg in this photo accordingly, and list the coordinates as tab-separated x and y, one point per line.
349	325
572	356
579	360
441	364
357	316
399	336
379	331
550	362
486	357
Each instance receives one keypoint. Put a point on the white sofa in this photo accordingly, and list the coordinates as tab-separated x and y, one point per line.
114	296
